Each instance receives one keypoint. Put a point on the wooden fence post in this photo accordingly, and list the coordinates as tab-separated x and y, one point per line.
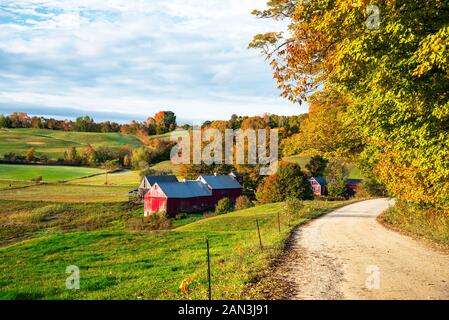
258	232
209	292
279	223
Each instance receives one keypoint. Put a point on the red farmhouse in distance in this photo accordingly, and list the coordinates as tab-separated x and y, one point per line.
319	186
191	196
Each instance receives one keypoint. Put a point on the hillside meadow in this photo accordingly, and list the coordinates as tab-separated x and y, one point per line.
129	178
67	193
48	173
118	263
353	170
53	143
120	178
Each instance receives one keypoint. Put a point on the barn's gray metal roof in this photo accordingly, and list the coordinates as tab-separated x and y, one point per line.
156	179
353	181
182	190
221	182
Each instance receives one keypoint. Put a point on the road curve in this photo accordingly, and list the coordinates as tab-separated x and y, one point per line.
347	254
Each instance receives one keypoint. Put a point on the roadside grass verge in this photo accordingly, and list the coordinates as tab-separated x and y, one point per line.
121	264
426	223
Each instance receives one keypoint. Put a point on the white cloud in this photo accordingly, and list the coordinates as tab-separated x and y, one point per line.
137	56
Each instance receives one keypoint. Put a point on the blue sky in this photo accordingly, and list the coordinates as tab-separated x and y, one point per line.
127	59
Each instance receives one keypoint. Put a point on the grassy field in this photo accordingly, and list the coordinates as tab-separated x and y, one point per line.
166	166
7	184
67	193
48	173
123	178
126	178
166	136
21	220
354	172
53	143
116	263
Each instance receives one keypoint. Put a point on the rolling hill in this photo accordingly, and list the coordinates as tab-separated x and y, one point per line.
53	143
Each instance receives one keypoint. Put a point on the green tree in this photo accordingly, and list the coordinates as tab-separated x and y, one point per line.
5	121
336	175
224	206
71	155
165	121
317	165
293	182
140	158
395	75
104	154
84	124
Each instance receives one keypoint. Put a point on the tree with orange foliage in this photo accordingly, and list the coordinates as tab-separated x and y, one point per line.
269	190
165	121
391	62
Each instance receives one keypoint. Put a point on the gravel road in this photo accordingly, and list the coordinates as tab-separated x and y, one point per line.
347	254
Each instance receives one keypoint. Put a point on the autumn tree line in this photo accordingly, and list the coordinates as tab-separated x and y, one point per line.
378	95
162	122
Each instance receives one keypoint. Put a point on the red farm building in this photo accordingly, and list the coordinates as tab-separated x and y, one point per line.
353	186
150	181
319	186
222	187
190	196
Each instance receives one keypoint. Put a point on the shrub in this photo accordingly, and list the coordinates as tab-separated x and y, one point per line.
293	206
243	202
420	220
293	182
44	213
208	214
269	190
372	187
336	174
156	221
224	206
181	216
37	180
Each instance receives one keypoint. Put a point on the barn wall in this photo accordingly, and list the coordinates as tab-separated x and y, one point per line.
154	204
218	194
175	206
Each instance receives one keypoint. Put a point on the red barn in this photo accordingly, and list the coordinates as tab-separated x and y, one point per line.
149	181
175	197
319	186
190	196
353	186
222	187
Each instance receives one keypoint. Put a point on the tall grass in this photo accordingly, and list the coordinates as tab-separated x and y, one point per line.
424	222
